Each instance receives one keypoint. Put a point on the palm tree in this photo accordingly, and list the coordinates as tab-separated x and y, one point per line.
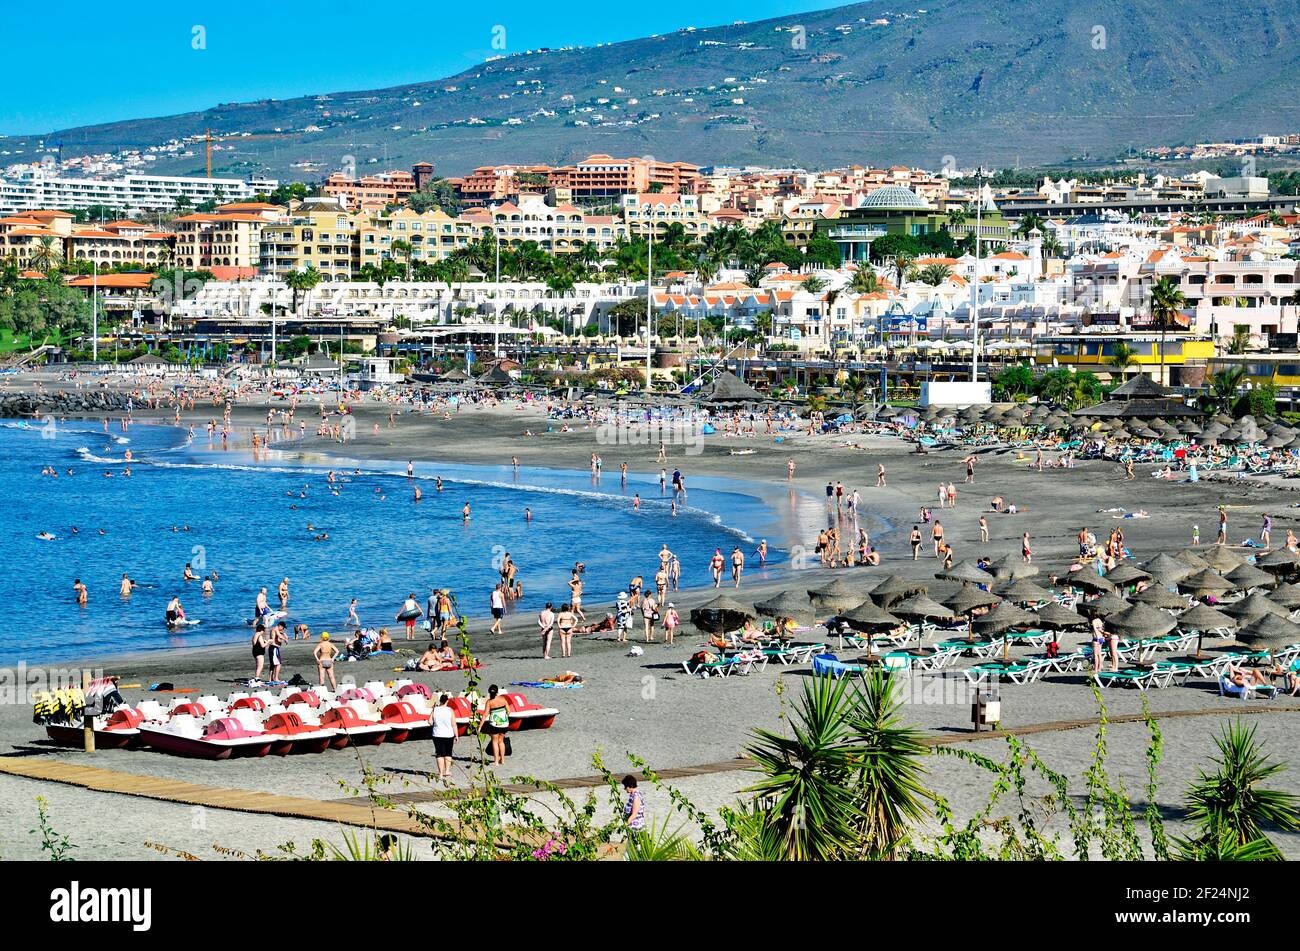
903	265
45	255
934	274
813	284
1029	222
1052	247
402	250
754	275
1122	357
957	216
1230	809
303	281
864	281
854	388
1222	394
1167	302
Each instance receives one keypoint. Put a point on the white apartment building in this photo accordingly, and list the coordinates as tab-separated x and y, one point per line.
38	190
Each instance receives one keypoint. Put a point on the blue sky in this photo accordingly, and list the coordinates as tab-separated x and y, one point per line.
101	62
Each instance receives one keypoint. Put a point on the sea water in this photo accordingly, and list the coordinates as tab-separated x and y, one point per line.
219	509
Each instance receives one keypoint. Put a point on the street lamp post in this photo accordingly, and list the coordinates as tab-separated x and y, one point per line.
975	287
649	299
496	310
94	312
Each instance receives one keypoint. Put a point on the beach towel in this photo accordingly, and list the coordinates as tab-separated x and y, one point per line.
544	685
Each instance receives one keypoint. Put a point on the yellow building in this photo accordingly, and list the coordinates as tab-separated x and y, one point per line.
323	237
1095	351
432	235
1280	369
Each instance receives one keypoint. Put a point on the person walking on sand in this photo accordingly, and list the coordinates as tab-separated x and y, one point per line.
1025	551
634	809
936	536
915	540
1098	644
970	470
880	476
984	530
737	565
649	614
1266	531
495	722
443	721
498	608
716	564
408	614
565	622
789	470
575	594
325	652
671	620
1222	538
546	625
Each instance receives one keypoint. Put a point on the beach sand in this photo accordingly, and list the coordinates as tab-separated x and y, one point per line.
646	705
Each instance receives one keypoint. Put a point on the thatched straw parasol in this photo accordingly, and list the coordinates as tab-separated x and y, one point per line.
1141	621
966	572
1057	617
1009	567
1104	606
968	599
1160	597
895	588
839	595
1086	580
1203	619
1205	582
1246	576
1269	633
1166	569
721	614
793	605
1023	591
1221	558
1126	574
920	607
1249	608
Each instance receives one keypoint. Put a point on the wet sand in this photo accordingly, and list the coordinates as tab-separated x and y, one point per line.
647	705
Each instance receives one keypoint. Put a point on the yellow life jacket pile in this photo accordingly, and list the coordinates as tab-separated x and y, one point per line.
62	706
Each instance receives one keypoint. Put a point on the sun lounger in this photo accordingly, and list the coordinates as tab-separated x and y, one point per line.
1017	671
717	668
828	665
1139	677
1228	689
793	653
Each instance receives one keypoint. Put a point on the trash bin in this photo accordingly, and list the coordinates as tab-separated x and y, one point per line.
986	710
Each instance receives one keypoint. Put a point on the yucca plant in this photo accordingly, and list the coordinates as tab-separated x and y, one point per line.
888	768
807	786
658	843
1230	807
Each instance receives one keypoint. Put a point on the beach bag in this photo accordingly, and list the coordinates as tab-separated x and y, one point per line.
509	751
427	624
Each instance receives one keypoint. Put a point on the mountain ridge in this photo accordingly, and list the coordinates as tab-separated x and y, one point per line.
939	84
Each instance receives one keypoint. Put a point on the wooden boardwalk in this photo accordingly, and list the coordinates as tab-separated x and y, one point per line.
354	812
351	812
